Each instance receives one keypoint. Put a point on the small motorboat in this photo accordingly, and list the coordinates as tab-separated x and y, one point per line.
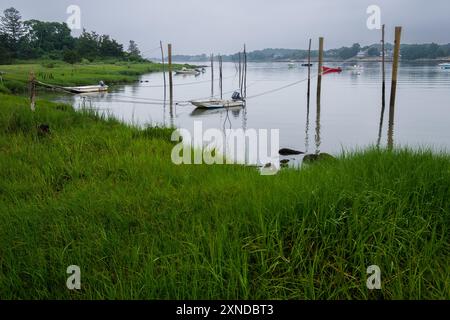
445	65
326	70
236	101
187	71
291	65
307	64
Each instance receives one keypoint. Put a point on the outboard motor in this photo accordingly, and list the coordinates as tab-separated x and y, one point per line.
236	96
101	83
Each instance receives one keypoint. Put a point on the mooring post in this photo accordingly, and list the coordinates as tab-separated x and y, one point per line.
169	52
220	77
398	34
240	73
32	86
212	75
164	69
245	71
320	69
383	63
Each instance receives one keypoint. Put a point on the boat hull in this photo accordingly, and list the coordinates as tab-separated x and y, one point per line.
87	89
217	104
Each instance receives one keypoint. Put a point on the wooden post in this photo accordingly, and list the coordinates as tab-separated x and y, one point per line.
164	71
319	78
309	70
245	71
398	34
220	77
383	64
212	75
32	91
169	52
240	73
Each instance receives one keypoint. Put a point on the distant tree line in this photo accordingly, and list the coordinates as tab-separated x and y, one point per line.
408	52
34	39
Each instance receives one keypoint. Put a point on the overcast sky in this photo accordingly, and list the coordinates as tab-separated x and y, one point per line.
204	26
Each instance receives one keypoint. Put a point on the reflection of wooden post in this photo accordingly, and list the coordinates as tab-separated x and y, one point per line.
32	91
309	70
164	71
169	52
319	78
383	86
398	34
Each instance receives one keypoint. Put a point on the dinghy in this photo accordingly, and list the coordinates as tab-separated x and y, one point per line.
445	65
187	71
326	70
236	101
101	87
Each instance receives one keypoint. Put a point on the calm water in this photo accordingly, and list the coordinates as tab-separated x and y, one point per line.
350	105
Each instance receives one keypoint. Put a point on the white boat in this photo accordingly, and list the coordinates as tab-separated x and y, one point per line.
291	65
445	65
217	103
87	89
187	71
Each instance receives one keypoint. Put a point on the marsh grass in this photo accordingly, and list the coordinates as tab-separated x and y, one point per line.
15	80
106	197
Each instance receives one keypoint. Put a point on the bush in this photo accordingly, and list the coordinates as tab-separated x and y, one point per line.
71	56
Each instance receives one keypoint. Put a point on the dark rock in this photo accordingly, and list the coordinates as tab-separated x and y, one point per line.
284	161
312	158
44	129
289	152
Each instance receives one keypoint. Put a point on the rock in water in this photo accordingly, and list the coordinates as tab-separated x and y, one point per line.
289	152
312	158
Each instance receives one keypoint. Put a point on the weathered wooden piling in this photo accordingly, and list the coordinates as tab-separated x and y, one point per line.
164	69
398	34
320	67
212	75
245	71
220	77
169	52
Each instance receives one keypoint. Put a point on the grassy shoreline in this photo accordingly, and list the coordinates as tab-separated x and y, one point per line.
106	197
15	79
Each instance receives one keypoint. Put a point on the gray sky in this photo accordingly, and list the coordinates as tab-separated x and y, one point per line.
204	26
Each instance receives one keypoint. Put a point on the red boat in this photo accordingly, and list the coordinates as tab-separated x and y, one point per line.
326	70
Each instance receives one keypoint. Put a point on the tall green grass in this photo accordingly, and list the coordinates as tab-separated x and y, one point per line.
60	73
106	197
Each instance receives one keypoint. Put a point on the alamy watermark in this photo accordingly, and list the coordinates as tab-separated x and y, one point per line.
74	280
232	146
74	19
374	19
374	280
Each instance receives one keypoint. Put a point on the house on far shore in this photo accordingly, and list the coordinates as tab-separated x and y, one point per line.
362	54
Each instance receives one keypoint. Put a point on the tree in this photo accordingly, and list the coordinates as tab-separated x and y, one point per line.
71	56
110	48
5	53
373	52
11	25
134	51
